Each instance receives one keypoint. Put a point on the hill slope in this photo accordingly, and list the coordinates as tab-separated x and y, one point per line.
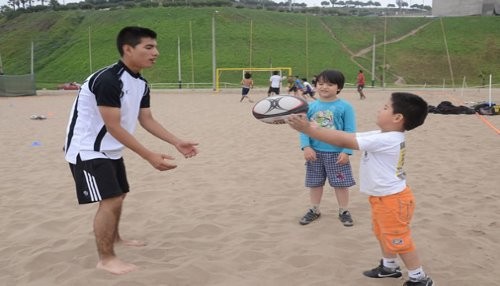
304	42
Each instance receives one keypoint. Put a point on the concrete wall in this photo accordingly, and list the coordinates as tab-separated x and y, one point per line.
463	7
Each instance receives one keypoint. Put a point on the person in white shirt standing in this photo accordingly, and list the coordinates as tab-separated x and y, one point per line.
383	179
274	84
102	121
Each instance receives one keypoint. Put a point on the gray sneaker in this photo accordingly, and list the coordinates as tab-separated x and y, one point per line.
427	281
346	219
309	217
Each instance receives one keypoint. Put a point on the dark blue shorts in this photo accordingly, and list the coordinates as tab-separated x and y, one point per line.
339	176
244	91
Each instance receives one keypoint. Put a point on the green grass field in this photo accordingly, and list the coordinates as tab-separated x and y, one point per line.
255	38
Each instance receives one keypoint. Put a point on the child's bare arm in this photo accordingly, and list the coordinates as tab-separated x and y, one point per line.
335	137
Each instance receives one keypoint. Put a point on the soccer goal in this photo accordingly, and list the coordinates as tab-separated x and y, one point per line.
231	77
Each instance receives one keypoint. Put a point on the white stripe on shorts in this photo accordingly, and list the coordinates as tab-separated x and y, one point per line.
95	196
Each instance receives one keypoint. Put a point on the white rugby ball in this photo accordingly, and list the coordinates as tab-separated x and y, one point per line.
275	109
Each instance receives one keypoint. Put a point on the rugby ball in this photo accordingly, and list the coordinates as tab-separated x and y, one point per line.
275	109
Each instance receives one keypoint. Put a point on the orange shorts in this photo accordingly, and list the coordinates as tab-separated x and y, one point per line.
391	216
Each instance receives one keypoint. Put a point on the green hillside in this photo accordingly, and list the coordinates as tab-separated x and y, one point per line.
307	43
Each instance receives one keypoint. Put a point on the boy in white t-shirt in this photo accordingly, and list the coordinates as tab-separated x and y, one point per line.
382	177
274	84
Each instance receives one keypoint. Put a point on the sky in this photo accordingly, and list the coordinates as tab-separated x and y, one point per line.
310	3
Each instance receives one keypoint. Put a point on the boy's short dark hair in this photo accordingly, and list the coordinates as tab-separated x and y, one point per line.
332	76
132	36
275	72
248	75
413	108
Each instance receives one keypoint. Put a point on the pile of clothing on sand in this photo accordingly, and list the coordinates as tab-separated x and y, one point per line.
446	107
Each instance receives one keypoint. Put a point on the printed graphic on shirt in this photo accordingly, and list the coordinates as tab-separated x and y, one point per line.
400	173
324	119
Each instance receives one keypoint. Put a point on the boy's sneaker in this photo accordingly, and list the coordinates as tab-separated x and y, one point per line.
384	272
427	281
346	218
309	217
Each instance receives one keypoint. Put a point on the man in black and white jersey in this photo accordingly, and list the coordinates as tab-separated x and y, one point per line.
102	121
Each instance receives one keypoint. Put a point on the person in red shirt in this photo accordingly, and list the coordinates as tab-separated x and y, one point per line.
361	84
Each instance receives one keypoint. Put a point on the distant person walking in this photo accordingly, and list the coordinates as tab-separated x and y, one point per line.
291	84
246	85
298	87
361	84
274	83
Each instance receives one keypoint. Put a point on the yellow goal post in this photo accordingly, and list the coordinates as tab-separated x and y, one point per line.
281	70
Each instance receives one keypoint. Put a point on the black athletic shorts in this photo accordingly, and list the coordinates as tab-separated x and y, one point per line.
99	179
276	90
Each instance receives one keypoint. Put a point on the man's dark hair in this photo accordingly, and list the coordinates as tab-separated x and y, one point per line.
275	72
413	108
132	36
332	76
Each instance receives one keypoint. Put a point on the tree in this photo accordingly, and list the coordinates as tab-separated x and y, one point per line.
361	4
54	4
400	4
13	3
333	2
325	3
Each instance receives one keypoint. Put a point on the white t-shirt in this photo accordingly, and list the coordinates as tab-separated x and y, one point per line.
308	86
381	169
275	81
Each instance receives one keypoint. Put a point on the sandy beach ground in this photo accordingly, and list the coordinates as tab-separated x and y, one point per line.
230	215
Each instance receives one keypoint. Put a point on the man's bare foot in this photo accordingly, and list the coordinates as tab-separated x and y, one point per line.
131	242
116	266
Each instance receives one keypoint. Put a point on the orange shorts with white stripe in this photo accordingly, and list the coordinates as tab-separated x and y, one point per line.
391	216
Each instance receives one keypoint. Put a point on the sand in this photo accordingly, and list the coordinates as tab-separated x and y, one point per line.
230	215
